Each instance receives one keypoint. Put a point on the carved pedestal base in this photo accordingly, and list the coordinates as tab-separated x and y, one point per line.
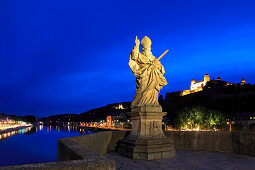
147	140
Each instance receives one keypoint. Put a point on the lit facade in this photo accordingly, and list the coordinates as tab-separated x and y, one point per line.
243	82
245	119
120	107
196	86
110	120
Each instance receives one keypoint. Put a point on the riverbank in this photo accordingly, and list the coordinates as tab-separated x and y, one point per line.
103	128
15	128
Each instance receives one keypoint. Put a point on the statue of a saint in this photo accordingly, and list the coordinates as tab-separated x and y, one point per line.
148	72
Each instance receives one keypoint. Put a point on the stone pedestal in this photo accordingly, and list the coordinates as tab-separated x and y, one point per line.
147	140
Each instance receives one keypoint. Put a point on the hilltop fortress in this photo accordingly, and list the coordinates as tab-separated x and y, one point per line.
198	86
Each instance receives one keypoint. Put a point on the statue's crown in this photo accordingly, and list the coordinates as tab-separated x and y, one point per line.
146	42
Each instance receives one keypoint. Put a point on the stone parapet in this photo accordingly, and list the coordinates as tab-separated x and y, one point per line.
147	140
86	151
220	141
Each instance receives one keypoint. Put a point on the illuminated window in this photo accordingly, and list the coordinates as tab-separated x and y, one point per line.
253	117
250	117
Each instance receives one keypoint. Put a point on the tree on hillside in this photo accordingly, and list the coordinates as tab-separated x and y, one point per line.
213	119
198	117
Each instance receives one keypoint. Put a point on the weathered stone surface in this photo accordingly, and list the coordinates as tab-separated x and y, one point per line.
222	141
149	74
147	140
82	164
187	160
101	142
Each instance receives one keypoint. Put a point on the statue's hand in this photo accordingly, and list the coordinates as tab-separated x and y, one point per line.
137	41
156	62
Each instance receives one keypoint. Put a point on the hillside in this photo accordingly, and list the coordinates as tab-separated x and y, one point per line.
102	112
225	99
228	100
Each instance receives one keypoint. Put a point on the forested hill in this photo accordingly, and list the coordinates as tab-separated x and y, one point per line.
102	112
228	100
225	99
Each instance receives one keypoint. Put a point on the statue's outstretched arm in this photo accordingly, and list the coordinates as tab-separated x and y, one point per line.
135	51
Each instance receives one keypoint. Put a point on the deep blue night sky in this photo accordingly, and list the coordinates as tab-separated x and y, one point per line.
69	56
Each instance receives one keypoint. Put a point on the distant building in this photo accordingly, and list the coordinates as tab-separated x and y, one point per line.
218	79
116	118
245	119
243	82
111	120
119	107
2	117
198	86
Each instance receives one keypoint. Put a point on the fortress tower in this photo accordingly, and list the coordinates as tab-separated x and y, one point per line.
243	81
192	83
206	78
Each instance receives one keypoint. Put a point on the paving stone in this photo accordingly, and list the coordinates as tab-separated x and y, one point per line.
187	160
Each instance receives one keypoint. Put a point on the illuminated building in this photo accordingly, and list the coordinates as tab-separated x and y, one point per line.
119	107
110	120
116	118
243	81
245	119
197	86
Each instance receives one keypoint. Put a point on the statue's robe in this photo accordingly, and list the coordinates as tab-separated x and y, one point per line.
149	78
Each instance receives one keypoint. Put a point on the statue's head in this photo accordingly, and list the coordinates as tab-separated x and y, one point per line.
146	42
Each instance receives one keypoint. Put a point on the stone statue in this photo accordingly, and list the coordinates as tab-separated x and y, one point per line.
146	140
148	72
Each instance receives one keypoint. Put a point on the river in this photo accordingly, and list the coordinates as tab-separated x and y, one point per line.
34	144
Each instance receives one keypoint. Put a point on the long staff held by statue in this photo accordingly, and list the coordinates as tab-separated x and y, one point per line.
162	55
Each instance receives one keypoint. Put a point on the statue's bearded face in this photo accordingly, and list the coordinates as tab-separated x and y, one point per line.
147	52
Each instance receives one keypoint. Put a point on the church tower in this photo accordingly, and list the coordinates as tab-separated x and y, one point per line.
192	83
206	78
218	79
243	81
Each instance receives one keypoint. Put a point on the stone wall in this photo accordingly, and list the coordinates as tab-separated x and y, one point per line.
234	142
100	143
221	141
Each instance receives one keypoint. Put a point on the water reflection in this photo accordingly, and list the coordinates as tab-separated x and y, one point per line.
35	144
34	129
6	135
67	128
